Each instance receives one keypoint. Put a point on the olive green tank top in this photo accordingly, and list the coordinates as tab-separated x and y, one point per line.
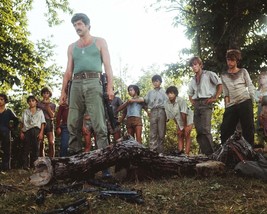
87	58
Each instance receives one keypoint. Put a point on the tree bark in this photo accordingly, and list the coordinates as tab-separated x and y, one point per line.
84	165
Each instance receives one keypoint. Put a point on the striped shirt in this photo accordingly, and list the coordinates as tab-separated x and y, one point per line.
238	87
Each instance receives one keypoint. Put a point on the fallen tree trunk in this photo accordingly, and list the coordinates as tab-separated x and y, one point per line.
84	165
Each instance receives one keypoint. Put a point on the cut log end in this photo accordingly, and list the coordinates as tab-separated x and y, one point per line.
210	168
43	172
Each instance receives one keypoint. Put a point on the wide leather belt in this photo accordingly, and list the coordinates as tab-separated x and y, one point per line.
86	75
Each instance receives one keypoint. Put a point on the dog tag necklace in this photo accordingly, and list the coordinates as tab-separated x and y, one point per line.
82	46
85	43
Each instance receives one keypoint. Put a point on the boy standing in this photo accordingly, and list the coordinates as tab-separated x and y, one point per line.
134	113
32	131
176	108
115	103
239	93
204	89
6	115
62	129
49	109
155	100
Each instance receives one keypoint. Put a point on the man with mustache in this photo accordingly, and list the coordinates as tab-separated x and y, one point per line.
85	59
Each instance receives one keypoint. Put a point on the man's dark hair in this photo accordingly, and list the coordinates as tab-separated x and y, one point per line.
172	89
156	77
46	89
135	88
80	16
4	96
31	97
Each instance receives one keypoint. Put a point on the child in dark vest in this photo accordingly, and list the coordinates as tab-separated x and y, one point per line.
7	117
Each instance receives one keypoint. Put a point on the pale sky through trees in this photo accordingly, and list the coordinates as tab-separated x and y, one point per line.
136	37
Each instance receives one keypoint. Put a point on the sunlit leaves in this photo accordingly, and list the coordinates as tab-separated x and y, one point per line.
23	64
215	26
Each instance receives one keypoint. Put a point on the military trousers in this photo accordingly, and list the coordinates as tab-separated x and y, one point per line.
86	97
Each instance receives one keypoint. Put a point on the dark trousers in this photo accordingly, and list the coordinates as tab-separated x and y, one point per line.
31	147
6	147
202	121
242	112
64	141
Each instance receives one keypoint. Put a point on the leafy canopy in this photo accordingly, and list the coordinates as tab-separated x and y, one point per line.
22	64
215	26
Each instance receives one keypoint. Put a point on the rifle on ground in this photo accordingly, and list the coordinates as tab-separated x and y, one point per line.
111	120
57	190
107	190
115	190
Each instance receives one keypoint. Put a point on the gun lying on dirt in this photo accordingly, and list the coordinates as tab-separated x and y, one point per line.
105	191
114	190
75	207
112	123
57	190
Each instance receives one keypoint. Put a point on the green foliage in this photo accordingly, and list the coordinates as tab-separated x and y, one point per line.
215	26
216	122
26	67
53	9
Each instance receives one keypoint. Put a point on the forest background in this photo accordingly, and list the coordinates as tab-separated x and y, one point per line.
211	26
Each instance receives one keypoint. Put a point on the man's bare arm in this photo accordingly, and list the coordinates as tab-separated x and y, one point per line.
107	66
67	75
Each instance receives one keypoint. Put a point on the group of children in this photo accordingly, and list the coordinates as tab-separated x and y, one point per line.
161	107
36	121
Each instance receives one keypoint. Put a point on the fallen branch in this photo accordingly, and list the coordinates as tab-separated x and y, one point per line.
85	165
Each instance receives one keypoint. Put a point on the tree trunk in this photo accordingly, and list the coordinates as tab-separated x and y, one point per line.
85	165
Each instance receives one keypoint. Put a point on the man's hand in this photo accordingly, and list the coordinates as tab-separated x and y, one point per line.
110	94
63	98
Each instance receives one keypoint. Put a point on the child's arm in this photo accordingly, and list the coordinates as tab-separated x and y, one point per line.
21	135
58	120
49	110
124	113
136	100
191	100
187	129
41	133
226	100
123	106
183	116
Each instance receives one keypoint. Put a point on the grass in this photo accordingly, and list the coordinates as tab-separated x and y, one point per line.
227	194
